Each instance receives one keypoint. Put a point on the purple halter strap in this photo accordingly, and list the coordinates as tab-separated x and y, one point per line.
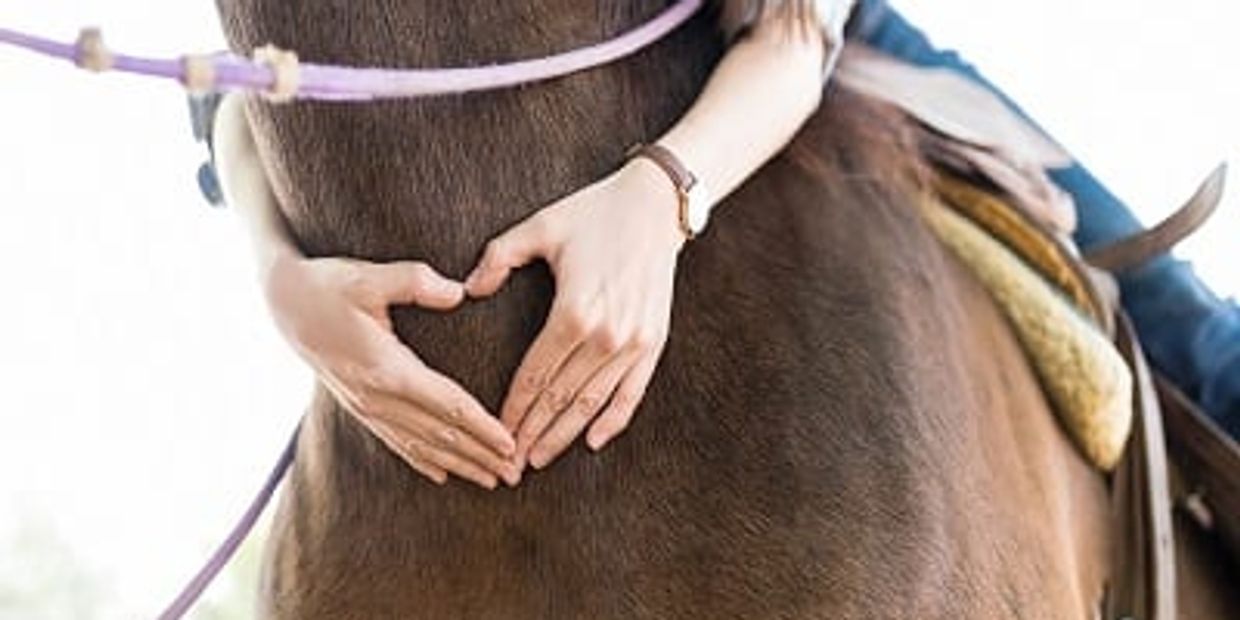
224	71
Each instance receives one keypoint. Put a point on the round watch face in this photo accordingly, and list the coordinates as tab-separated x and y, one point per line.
699	208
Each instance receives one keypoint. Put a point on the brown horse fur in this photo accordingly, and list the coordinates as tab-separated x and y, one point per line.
842	425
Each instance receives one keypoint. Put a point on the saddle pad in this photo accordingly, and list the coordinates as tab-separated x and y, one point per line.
1053	259
1086	380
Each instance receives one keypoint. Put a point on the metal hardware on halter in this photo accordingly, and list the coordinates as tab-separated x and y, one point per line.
285	71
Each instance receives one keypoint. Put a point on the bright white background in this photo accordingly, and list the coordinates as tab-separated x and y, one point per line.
144	391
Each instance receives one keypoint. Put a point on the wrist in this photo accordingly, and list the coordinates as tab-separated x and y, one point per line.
693	201
660	202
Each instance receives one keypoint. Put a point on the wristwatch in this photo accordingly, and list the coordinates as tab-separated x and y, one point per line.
694	200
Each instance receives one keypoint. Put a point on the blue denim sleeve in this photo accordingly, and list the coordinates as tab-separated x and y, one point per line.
1190	334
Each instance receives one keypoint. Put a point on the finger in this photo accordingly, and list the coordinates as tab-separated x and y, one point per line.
342	394
448	401
585	407
454	463
515	248
414	422
565	329
410	282
585	361
623	403
396	444
426	458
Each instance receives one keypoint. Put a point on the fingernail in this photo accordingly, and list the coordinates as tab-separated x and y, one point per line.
595	442
512	477
490	482
538	461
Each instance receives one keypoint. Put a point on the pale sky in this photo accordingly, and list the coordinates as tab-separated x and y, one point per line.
146	391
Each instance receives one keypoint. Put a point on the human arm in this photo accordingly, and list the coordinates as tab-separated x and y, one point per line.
334	312
612	246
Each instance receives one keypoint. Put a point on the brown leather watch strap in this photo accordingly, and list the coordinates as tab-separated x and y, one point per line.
677	172
668	161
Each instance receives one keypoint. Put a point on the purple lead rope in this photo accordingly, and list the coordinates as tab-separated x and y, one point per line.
192	590
222	72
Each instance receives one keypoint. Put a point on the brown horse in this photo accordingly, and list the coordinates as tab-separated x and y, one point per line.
842	425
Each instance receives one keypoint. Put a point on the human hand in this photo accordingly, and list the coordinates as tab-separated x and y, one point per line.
334	312
612	249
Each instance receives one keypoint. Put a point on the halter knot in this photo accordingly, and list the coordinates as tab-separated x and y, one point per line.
91	54
286	69
198	73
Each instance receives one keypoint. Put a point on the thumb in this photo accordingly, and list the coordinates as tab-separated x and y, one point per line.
413	282
515	248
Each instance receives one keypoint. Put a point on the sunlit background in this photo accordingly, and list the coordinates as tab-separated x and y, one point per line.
145	392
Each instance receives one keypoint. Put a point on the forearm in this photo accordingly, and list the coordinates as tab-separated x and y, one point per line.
246	188
762	91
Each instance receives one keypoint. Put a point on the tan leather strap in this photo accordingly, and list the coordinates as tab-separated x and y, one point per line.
1133	251
1143	585
1208	461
